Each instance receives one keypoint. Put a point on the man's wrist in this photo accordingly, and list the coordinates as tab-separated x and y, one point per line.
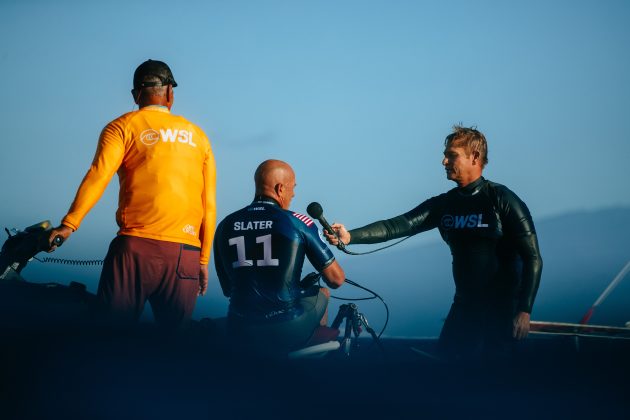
66	225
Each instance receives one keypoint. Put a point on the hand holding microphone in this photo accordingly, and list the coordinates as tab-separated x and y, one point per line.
336	234
340	237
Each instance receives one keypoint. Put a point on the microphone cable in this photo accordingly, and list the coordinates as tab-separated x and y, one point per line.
342	247
316	278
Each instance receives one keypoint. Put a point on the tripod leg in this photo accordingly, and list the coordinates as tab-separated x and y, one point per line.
343	310
342	315
370	330
356	325
347	337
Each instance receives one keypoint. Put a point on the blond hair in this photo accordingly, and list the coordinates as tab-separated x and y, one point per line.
470	139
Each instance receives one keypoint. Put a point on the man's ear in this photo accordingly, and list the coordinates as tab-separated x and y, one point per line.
170	96
136	95
278	189
476	155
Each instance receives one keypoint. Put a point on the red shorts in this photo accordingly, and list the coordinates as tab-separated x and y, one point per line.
139	269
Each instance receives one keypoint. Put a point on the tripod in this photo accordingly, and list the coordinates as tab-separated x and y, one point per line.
354	321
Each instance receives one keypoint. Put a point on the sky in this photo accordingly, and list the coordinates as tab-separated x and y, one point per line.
357	96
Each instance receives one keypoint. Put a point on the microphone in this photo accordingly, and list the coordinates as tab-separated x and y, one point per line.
316	212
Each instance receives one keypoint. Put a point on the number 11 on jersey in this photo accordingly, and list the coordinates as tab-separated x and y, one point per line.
242	261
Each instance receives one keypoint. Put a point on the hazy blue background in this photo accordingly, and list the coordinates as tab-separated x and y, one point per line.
356	95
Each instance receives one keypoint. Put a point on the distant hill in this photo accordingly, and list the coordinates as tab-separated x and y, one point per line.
582	253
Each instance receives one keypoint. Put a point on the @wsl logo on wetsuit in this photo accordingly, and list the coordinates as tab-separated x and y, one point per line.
150	136
463	222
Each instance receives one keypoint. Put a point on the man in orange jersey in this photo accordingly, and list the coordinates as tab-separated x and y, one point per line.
166	209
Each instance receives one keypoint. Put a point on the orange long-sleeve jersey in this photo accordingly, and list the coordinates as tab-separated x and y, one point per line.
167	179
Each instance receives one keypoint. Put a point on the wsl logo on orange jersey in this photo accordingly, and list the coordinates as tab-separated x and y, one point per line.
189	229
150	137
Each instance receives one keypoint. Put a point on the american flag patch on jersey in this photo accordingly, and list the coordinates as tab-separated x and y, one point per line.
305	219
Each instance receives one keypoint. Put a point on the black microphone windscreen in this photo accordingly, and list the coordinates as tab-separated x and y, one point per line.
315	210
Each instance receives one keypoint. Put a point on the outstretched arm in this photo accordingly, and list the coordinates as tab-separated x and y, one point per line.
415	221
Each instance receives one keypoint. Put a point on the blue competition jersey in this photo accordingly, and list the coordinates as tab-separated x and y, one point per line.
258	255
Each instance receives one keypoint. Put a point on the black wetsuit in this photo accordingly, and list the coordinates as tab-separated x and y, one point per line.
496	260
258	254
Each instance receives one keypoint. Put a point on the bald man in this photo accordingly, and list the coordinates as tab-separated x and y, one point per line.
258	254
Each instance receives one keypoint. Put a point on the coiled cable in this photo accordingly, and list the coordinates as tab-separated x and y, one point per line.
69	261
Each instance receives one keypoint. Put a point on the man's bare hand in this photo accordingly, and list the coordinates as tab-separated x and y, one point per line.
63	231
341	232
520	325
203	279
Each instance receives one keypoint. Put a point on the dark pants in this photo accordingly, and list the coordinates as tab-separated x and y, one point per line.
279	337
139	269
478	329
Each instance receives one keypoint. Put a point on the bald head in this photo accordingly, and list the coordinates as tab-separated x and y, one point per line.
275	179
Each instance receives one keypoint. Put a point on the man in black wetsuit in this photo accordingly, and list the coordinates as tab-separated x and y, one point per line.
496	260
258	254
